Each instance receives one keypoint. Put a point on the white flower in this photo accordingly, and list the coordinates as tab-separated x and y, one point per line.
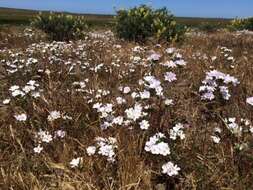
250	101
38	149
177	131
21	117
75	162
154	57
217	130
105	110
13	88
91	150
155	84
118	120
170	50
233	126
44	136
126	90
145	94
120	100
170	64
60	133
213	58
53	115
35	94
212	82
180	62
170	169
97	105
230	58
156	146
144	124
135	112
208	96
137	49
106	147
27	88
17	93
216	139
224	92
251	129
6	101
168	102
136	59
169	76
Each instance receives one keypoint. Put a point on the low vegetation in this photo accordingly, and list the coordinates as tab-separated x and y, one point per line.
143	22
242	24
103	113
61	27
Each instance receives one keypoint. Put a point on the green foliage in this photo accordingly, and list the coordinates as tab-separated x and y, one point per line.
242	24
165	26
134	24
61	27
140	23
209	27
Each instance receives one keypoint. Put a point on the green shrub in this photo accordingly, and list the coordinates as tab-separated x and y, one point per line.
165	27
209	27
140	23
134	24
242	24
60	27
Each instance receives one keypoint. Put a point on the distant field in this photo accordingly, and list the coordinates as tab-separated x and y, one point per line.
23	17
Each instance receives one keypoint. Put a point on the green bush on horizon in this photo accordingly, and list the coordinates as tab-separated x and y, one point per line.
241	24
140	23
61	27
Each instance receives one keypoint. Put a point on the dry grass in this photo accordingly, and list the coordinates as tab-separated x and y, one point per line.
204	164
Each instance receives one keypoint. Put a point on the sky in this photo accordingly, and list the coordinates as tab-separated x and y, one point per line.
188	8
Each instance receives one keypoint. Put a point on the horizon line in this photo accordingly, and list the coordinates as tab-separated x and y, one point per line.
107	14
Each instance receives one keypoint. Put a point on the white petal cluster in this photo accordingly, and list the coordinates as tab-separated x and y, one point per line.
44	136
6	101
250	101
16	91
105	110
53	115
106	147
156	146
154	57
91	150
216	80
145	94
170	169
75	162
170	50
135	112
144	124
170	76
38	149
233	126
21	117
177	131
168	102
30	87
153	83
118	120
215	139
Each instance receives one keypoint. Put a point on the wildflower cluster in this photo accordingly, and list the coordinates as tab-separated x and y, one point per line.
216	80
